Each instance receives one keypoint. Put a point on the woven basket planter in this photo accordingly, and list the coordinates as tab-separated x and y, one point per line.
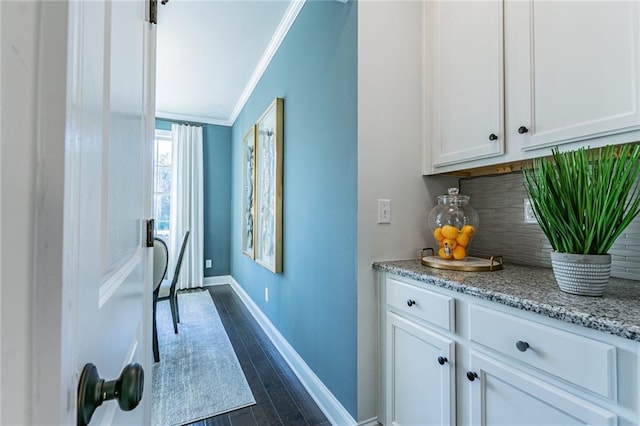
582	274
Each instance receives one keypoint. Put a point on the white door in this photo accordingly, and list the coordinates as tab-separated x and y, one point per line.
466	53
420	375
575	78
504	396
107	181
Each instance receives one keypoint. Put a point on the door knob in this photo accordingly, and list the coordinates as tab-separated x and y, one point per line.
472	375
493	137
522	346
442	360
411	302
93	391
522	130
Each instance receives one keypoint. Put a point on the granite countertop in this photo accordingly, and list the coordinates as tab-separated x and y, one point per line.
534	289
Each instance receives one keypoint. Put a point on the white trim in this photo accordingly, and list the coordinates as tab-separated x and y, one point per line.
219	280
281	32
110	286
161	134
165	115
373	421
330	406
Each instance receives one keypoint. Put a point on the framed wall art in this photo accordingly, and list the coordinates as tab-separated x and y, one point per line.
268	195
248	192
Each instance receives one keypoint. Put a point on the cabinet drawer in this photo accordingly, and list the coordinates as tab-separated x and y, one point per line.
579	360
432	307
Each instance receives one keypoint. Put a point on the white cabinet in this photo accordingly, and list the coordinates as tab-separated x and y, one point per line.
419	372
575	68
450	358
467	69
565	72
419	359
501	395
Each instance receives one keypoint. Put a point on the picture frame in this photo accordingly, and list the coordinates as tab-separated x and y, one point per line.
268	195
248	191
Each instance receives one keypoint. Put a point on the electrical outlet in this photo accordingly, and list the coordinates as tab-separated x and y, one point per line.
207	263
529	217
266	294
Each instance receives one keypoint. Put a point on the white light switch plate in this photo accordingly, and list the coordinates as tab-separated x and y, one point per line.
384	211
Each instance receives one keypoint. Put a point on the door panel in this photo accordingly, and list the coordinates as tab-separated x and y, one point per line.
468	81
420	391
503	396
581	73
106	262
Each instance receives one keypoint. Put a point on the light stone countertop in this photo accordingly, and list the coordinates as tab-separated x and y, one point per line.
534	289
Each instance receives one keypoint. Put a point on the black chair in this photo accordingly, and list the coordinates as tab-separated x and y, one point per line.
160	260
167	291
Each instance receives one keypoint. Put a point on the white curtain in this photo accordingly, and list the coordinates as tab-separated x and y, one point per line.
187	204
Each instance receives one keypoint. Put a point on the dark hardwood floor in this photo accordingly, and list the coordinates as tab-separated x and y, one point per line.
280	397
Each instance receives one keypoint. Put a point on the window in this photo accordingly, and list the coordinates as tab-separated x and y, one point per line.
162	160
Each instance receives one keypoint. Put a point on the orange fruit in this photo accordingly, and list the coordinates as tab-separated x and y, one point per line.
450	232
444	255
449	243
459	253
468	230
437	234
463	240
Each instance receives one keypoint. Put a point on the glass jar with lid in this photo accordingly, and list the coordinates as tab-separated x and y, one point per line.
453	223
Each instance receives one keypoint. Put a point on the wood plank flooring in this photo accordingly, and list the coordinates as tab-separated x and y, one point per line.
280	397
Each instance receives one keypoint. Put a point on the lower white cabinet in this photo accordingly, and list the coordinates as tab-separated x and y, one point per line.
501	395
420	374
492	365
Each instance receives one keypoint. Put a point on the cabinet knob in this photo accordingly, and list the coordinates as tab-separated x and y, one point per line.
411	302
522	130
522	346
493	137
472	375
442	360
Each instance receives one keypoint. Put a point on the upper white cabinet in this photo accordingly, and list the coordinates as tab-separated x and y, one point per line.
575	69
467	69
565	72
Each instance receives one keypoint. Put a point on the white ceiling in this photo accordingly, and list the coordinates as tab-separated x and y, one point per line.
210	54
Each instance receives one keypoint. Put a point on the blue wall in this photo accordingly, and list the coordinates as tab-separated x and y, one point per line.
217	195
313	302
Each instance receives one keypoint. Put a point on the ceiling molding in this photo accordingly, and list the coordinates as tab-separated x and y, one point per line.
283	28
172	116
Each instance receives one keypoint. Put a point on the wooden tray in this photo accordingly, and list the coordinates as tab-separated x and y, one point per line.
469	264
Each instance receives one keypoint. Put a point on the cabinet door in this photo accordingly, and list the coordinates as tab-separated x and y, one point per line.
419	385
576	68
466	80
502	395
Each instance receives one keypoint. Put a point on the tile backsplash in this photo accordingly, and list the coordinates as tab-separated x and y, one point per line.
499	201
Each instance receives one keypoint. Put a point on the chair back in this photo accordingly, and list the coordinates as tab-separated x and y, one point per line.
160	261
176	273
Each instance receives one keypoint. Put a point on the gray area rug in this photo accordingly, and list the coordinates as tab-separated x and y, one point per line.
198	375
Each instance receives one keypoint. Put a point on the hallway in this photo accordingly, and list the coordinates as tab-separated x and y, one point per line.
280	397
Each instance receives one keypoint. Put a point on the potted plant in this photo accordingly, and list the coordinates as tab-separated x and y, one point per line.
583	200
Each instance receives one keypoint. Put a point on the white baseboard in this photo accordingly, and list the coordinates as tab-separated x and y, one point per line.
330	406
219	280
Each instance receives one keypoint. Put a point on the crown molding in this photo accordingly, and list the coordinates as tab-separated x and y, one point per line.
172	116
281	32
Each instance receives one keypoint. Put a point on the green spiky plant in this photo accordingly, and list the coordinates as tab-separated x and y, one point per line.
584	199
